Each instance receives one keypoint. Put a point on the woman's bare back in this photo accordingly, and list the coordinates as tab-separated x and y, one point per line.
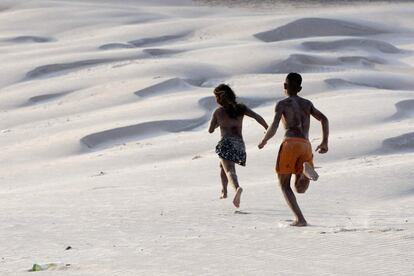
229	126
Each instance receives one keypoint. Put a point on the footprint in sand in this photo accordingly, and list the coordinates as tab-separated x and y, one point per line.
241	212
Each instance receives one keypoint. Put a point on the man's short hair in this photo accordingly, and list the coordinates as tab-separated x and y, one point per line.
295	78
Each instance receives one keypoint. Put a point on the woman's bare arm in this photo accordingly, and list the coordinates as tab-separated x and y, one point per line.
257	117
213	123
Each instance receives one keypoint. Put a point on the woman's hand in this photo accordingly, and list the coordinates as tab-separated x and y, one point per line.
262	144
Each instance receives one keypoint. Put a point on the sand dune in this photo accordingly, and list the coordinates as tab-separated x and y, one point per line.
317	27
51	70
400	143
29	39
379	81
112	46
150	41
161	52
114	137
314	63
351	44
145	42
405	110
46	97
164	87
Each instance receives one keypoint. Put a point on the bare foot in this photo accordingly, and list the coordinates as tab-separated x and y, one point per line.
299	223
309	172
223	194
236	200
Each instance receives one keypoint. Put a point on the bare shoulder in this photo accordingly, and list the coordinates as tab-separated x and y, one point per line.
307	104
218	110
282	104
305	101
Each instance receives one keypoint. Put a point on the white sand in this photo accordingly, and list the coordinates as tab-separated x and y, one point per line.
104	108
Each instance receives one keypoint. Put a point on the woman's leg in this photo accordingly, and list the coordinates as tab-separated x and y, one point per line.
230	170
224	182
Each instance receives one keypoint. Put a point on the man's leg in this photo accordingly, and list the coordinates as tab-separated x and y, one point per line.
230	170
309	171
301	183
284	180
224	182
302	180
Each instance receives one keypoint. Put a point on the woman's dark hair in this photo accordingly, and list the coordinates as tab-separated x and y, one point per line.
227	98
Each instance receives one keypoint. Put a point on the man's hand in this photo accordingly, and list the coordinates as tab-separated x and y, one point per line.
262	144
322	148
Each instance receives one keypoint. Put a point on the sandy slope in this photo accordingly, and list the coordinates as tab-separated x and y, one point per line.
103	111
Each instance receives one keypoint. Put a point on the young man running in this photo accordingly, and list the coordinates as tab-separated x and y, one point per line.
295	153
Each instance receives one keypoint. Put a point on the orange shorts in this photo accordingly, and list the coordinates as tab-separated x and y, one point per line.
293	153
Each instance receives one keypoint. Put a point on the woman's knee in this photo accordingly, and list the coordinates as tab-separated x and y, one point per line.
231	173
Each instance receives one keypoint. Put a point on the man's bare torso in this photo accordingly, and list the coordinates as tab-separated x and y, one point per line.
296	116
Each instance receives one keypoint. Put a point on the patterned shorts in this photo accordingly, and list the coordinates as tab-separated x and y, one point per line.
233	149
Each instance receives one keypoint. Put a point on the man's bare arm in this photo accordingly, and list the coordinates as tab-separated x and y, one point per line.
323	147
213	123
256	116
271	131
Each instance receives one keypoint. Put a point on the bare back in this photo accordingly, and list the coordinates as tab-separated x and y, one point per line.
229	126
296	113
232	126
